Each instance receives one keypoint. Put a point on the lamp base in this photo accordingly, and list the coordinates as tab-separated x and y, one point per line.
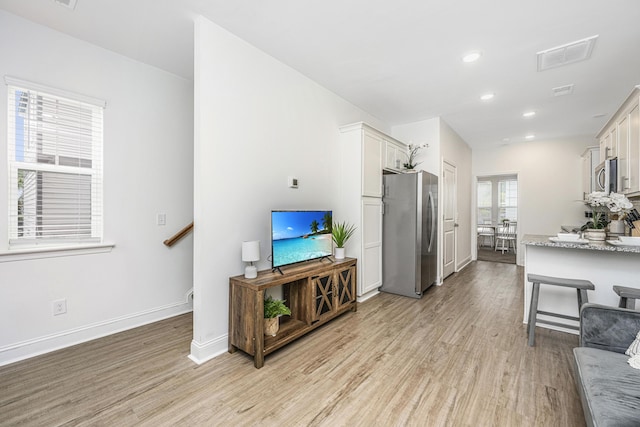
250	272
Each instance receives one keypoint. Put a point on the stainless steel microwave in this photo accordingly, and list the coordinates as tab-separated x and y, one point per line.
607	176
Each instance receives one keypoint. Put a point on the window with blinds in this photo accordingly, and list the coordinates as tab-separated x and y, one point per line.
508	199
55	166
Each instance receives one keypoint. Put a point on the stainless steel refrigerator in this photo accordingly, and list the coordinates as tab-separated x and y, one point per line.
409	233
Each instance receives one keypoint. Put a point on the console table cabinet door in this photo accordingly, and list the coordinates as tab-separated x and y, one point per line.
346	287
323	296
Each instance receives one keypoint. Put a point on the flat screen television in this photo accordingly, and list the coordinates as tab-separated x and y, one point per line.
298	236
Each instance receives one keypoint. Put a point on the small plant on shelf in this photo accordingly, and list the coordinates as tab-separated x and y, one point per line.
341	232
274	308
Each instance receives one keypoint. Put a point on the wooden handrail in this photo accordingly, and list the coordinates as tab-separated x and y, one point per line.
179	235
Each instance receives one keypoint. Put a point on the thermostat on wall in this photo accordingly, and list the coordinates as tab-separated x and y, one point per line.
293	182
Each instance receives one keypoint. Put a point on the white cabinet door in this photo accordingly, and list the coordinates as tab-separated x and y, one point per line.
371	165
613	147
623	154
603	147
371	267
609	144
634	149
394	156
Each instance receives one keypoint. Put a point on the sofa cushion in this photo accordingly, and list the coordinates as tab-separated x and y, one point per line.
609	387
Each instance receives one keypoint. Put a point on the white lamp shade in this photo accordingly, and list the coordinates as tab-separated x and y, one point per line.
251	251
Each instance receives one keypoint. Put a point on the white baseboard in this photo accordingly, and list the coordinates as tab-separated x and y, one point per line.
464	263
203	352
48	343
366	296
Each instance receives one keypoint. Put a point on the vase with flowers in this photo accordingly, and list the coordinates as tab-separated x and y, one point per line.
412	153
605	207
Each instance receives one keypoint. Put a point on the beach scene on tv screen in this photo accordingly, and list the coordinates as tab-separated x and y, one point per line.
300	235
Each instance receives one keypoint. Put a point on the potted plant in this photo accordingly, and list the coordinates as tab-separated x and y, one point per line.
340	233
411	163
600	202
273	309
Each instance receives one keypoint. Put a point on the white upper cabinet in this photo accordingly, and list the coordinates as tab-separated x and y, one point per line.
371	164
395	155
620	138
590	159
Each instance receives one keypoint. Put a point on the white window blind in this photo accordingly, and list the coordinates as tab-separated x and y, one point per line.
484	202
55	166
508	199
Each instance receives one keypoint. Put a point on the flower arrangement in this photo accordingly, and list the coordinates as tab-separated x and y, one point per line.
615	203
411	157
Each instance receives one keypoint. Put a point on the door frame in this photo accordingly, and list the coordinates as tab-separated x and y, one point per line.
474	216
455	217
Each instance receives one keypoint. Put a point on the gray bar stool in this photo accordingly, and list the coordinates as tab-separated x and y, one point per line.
581	287
628	296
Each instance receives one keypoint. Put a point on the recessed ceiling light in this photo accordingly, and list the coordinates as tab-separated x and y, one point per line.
487	96
471	56
530	136
599	115
529	114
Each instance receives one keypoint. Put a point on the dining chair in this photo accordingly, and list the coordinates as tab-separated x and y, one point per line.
486	232
506	236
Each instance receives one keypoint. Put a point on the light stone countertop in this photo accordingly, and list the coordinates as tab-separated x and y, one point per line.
538	240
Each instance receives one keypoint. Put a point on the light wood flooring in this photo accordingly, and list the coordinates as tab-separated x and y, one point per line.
489	254
457	357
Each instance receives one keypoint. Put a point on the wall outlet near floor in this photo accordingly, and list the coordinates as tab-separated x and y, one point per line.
161	219
59	307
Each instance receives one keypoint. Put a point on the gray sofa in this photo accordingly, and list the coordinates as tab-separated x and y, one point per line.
609	387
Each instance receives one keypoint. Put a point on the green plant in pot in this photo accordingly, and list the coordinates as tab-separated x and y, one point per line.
273	309
341	232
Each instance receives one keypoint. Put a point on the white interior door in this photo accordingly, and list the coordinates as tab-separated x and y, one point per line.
449	189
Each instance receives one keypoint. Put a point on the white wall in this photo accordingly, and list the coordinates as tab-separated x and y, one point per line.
148	152
549	181
257	121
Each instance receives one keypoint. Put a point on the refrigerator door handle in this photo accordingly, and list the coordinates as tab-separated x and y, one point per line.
433	220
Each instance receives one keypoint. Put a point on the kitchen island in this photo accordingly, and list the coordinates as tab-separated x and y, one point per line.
604	264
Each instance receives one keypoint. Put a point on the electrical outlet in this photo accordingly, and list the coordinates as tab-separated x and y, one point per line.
59	307
161	219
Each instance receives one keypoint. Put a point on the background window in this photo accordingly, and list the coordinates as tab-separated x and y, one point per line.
55	167
484	202
508	199
497	199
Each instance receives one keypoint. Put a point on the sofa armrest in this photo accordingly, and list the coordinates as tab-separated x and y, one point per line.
608	328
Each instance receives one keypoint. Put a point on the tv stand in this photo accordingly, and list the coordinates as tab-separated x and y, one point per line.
316	293
274	269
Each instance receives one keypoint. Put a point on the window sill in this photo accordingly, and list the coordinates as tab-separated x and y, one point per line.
54	252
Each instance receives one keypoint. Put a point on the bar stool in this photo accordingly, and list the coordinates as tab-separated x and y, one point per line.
628	296
581	287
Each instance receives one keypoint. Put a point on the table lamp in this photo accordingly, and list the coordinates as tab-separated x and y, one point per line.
251	253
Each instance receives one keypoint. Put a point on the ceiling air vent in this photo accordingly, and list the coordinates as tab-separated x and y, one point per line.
562	90
70	4
566	54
